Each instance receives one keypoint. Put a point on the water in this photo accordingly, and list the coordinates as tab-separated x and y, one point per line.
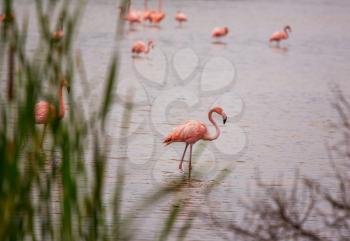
277	99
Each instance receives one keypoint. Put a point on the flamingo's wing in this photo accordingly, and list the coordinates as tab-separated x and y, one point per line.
190	132
215	32
277	36
218	32
146	15
181	17
138	47
41	112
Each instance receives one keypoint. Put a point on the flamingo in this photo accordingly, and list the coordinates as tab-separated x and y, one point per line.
146	15
140	47
45	111
180	17
192	131
219	32
4	17
57	35
133	17
280	35
157	16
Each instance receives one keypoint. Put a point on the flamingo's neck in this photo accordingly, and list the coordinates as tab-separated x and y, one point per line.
286	32
209	137
146	5
160	5
148	48
60	97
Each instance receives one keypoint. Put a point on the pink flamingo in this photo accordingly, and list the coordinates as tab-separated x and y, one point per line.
280	35
133	17
219	32
146	13
45	111
140	47
57	35
192	131
157	16
4	17
180	17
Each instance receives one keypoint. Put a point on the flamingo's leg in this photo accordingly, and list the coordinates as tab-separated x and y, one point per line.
183	156
190	165
43	136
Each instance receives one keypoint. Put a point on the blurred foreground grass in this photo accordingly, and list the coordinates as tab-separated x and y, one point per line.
47	194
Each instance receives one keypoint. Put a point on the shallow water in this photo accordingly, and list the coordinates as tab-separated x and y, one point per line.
277	99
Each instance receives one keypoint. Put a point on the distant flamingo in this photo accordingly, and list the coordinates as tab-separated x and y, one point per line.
219	32
57	35
146	16
192	131
4	17
133	17
140	47
180	17
280	35
45	111
157	16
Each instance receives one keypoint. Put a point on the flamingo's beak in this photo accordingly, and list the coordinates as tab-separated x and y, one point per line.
68	88
224	117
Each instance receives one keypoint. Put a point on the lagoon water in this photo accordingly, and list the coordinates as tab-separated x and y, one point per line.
278	99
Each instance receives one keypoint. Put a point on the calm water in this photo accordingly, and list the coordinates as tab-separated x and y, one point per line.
277	99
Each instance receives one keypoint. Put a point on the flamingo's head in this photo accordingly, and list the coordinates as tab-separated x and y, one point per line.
221	112
288	28
226	29
65	83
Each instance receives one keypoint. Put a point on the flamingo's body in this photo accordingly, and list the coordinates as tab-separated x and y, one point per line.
180	17
4	17
192	131
280	35
57	35
140	47
219	32
146	14
133	17
45	111
156	16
